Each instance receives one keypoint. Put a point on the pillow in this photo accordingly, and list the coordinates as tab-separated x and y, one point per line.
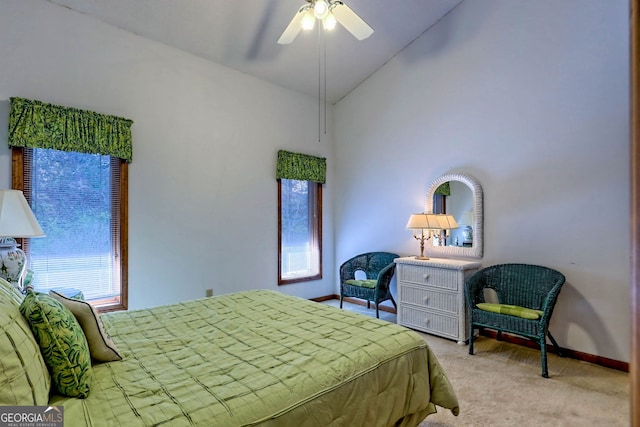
28	278
366	283
69	293
511	310
24	379
62	343
10	293
101	345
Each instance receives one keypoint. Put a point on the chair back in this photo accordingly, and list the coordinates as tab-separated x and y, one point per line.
524	285
371	263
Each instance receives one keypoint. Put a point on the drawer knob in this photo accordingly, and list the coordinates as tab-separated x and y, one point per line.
426	300
426	277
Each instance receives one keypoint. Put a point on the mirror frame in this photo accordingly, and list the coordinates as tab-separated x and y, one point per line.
478	217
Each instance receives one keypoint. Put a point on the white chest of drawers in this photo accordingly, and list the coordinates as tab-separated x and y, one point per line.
431	295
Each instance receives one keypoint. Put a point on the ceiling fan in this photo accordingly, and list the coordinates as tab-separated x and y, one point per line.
329	12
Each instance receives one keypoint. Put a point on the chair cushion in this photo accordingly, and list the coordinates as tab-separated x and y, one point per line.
511	310
366	283
62	343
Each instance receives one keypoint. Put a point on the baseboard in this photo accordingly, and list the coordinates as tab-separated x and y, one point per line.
514	339
585	357
354	301
325	298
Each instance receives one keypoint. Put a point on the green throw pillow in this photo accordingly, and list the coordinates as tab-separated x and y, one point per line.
511	310
367	283
62	343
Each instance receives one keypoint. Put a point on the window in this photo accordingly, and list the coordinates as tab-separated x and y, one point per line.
72	167
300	178
300	231
80	200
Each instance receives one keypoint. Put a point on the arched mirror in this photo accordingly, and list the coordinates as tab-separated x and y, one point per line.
461	196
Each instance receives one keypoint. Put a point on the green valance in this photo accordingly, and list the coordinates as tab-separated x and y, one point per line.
35	124
301	167
444	189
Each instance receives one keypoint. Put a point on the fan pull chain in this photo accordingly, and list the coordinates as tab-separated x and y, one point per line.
325	82
320	34
322	82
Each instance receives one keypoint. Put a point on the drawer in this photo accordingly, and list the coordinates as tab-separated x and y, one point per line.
437	277
427	298
427	321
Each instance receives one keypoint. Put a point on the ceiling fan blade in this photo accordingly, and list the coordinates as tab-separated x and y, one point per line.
291	32
352	22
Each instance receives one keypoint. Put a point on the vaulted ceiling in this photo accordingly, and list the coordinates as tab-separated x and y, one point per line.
243	34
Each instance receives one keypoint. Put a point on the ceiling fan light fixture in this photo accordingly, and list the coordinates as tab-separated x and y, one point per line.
320	9
331	13
329	22
308	20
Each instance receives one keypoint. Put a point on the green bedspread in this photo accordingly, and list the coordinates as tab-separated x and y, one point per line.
260	358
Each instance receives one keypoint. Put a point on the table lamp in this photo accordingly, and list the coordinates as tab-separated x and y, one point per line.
431	223
16	220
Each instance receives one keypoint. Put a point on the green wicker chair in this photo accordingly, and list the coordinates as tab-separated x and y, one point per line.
532	289
378	268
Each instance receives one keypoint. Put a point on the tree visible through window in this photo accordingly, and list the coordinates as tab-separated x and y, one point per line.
300	230
77	198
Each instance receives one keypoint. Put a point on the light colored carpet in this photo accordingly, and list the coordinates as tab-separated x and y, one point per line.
501	386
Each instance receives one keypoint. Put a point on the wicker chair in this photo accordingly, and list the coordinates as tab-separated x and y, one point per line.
521	285
378	268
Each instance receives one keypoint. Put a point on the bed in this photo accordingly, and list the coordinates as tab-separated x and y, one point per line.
253	358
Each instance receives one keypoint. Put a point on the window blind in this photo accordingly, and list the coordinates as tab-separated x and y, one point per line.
75	197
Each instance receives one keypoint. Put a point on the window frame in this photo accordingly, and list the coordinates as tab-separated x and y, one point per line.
316	234
17	182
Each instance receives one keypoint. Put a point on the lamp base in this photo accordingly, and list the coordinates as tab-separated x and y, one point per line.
13	262
421	257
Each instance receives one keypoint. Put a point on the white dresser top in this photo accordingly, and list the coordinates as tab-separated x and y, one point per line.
456	264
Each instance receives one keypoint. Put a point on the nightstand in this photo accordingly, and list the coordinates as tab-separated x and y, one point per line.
431	295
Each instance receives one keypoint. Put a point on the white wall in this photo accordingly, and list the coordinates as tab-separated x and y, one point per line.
531	98
202	188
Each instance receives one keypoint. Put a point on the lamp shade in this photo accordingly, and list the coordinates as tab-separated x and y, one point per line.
16	217
447	221
422	221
